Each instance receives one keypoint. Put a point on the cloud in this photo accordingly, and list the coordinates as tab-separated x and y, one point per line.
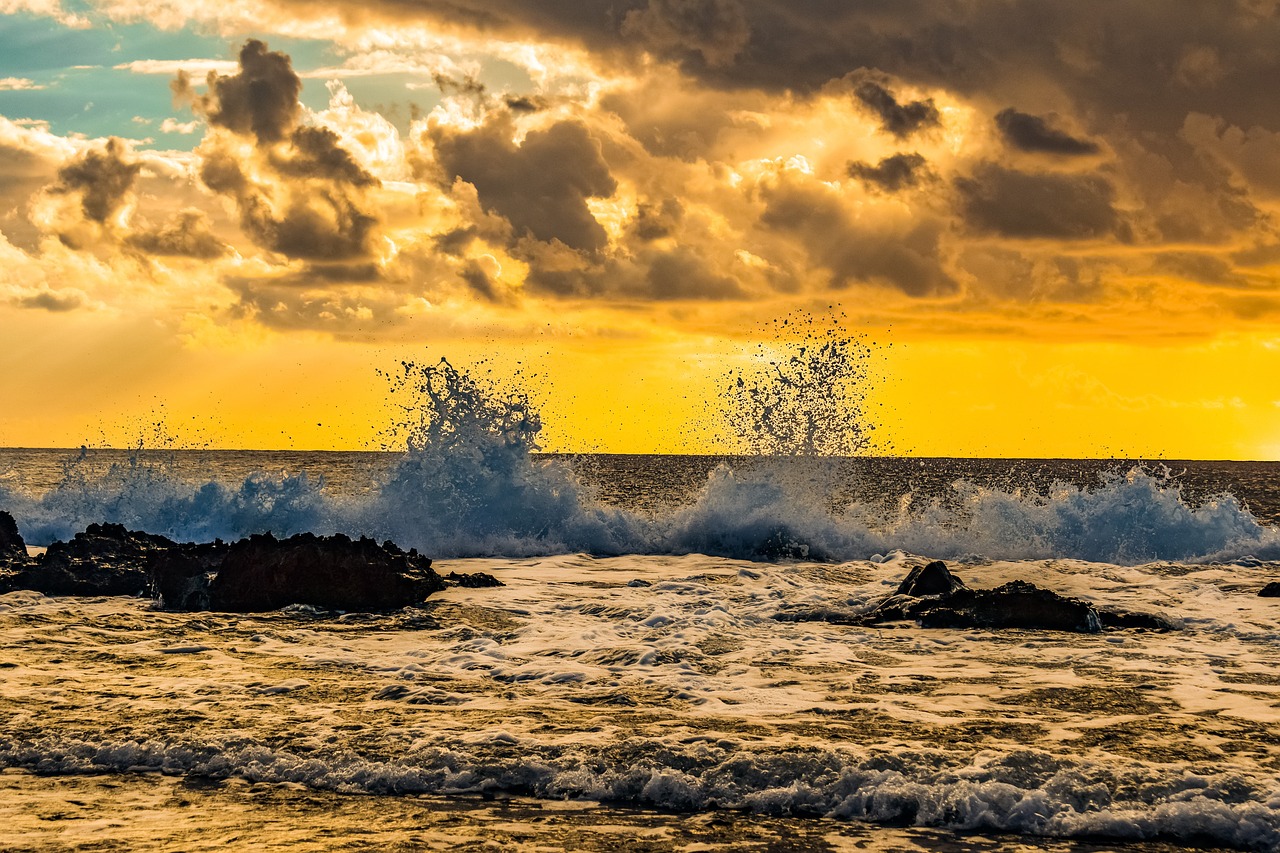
899	119
170	67
171	125
904	254
1033	133
262	99
1017	204
86	202
717	30
188	234
540	186
19	84
892	174
298	190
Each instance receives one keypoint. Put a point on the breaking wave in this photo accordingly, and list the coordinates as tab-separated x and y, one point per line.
468	482
1028	792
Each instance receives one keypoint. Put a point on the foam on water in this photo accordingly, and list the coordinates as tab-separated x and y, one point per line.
695	689
468	483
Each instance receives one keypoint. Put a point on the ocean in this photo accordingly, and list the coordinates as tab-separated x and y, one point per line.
667	665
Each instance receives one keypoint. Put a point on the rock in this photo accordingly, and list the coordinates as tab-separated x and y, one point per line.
1271	590
180	576
12	548
263	573
104	559
1115	618
938	599
474	580
932	579
1017	604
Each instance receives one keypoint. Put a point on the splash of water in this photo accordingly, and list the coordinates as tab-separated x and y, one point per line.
806	393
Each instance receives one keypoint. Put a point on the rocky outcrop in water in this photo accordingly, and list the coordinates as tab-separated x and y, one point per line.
936	598
12	548
104	559
472	580
264	573
1271	590
253	575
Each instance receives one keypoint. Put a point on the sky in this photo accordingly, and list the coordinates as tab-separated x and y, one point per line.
1055	223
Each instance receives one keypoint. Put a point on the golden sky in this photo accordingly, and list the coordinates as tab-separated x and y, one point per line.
1058	221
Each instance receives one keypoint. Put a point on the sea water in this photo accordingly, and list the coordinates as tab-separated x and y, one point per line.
666	666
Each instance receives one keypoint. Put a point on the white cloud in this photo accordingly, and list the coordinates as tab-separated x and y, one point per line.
19	84
170	125
169	67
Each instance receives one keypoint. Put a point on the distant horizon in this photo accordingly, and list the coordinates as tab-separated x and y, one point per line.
538	453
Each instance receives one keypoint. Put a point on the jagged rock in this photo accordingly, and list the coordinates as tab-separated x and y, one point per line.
1017	604
932	579
938	599
264	573
473	580
1271	590
180	576
12	548
104	559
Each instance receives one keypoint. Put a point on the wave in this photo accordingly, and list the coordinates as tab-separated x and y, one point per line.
469	483
451	506
1026	792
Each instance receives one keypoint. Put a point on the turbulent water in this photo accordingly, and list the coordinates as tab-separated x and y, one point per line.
657	672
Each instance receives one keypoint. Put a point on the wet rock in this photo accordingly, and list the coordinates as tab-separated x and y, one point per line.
474	580
264	573
936	598
180	576
1271	590
1114	618
12	548
932	579
104	559
1017	604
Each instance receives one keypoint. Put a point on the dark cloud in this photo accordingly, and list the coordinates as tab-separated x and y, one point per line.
318	220
540	186
683	273
299	192
261	100
316	153
715	30
1045	205
906	257
655	221
56	301
899	119
891	174
479	280
102	177
1151	63
186	235
524	103
1028	132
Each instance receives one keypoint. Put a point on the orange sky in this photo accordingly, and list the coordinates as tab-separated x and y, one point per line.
1058	222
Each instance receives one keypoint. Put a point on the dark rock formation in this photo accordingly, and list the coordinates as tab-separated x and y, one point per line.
1016	604
936	598
104	559
12	548
933	579
1115	618
180	576
1271	590
264	573
473	580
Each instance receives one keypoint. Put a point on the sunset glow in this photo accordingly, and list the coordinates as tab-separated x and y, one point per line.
1057	222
